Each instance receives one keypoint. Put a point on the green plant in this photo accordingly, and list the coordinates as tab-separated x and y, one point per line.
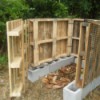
9	10
46	9
3	59
60	10
83	8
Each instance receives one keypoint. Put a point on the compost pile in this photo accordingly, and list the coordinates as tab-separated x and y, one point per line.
60	78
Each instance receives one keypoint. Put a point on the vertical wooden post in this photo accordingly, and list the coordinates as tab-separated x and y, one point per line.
54	39
22	42
79	62
35	37
28	41
70	33
86	51
9	58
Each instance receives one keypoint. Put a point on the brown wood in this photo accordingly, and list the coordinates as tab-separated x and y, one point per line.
54	39
78	69
35	39
70	33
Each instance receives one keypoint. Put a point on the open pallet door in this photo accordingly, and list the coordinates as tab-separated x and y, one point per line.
92	62
16	53
89	48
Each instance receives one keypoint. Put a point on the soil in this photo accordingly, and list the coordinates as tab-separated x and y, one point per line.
37	90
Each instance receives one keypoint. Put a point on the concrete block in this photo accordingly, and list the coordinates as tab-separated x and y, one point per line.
67	60
55	65
61	62
44	70
91	86
33	75
71	92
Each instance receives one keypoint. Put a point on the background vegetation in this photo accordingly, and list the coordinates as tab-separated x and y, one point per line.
12	9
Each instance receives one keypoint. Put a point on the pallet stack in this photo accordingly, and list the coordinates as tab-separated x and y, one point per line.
15	42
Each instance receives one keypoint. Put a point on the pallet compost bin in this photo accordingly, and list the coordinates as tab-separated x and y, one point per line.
37	41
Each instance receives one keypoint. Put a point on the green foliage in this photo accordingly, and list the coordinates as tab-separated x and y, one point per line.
46	9
64	8
3	59
14	9
10	9
62	11
83	8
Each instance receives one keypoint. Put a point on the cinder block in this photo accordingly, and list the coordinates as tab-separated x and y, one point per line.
61	63
71	92
41	71
33	75
55	65
67	61
91	86
44	70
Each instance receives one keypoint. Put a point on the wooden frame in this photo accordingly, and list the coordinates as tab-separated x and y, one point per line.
37	41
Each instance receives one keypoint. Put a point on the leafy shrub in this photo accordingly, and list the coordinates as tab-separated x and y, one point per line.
10	9
83	8
46	9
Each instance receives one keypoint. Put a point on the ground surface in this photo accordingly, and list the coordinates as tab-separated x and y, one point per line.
37	90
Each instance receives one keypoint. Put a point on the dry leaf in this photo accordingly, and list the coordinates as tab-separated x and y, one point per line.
45	80
57	86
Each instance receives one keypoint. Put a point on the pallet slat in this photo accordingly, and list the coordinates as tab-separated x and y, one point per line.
15	54
16	62
15	32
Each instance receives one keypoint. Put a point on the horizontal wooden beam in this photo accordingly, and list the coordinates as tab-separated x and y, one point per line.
15	32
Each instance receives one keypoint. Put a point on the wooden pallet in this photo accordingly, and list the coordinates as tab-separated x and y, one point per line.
48	39
92	63
16	51
53	38
89	48
84	32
